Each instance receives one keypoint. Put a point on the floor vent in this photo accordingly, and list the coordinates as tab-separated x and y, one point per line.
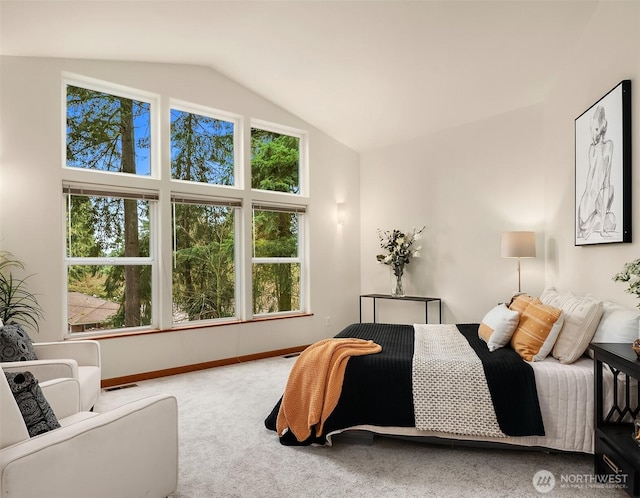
292	355
117	388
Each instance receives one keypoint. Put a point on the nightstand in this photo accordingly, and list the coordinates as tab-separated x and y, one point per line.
617	456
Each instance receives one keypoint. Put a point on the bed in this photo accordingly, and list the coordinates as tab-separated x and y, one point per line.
380	393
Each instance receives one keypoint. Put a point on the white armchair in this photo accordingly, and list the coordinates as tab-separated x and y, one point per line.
73	359
128	452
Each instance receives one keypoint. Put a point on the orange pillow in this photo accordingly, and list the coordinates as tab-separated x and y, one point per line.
520	302
538	328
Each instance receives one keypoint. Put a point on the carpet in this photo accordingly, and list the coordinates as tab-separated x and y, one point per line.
225	450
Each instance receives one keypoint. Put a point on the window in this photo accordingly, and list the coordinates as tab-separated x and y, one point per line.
107	132
275	161
204	261
156	244
202	148
109	270
276	259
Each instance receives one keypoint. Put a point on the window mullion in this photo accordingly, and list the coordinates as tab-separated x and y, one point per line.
276	260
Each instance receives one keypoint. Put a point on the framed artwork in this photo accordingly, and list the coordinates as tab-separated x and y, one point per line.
603	169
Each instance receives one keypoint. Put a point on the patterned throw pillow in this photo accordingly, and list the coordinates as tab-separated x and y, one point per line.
15	344
36	412
538	328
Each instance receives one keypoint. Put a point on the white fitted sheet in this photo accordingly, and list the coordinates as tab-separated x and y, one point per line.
566	396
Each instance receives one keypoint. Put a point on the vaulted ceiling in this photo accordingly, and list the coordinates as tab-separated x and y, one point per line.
368	73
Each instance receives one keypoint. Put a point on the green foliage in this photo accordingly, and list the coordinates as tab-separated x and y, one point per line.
275	236
275	164
630	273
17	304
201	149
275	160
204	269
106	132
95	130
276	287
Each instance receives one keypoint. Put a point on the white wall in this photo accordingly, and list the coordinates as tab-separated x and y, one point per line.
32	220
468	185
510	172
608	52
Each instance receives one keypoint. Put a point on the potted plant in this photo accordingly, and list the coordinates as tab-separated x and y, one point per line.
17	304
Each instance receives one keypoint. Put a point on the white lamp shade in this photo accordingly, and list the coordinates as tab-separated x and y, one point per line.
518	245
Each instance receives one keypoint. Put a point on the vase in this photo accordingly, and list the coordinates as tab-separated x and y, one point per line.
397	289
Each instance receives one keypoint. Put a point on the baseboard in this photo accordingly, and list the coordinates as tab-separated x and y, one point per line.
128	379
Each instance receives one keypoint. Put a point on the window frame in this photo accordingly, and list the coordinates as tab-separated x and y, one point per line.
183	106
301	212
160	183
232	203
151	260
96	85
303	156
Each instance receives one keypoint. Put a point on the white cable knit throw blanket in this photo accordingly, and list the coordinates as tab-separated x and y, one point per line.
450	392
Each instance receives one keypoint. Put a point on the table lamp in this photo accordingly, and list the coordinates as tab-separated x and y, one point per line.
518	245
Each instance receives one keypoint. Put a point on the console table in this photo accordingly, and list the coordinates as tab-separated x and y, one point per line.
425	300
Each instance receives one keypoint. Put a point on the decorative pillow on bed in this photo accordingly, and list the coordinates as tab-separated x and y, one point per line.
555	298
618	324
36	411
15	344
581	318
520	302
498	326
538	328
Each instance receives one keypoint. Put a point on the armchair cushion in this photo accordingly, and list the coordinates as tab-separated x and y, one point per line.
75	359
128	452
63	396
15	344
36	412
12	428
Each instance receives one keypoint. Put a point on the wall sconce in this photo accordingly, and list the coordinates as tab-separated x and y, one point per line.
340	213
518	245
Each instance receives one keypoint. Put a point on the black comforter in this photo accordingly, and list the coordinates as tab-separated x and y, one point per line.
377	389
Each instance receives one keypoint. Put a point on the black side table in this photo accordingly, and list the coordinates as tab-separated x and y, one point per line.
425	300
617	455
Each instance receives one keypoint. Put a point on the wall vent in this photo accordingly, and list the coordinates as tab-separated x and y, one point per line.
117	388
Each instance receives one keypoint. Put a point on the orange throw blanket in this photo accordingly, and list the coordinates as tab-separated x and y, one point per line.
315	384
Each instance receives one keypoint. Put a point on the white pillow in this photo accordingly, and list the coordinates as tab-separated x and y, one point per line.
581	318
498	326
555	298
618	324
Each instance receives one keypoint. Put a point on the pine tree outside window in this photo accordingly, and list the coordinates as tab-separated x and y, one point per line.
202	148
204	273
276	259
130	217
108	261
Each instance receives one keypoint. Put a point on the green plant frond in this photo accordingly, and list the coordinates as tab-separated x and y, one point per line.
17	304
